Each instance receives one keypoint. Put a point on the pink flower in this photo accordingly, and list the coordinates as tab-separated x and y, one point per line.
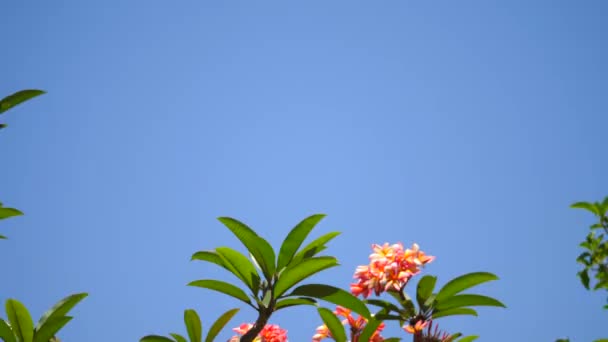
390	268
270	333
417	327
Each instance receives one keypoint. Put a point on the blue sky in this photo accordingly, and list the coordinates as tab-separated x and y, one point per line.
466	126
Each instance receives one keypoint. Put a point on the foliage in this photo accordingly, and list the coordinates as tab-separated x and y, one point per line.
268	276
595	257
20	328
5	104
16	99
194	328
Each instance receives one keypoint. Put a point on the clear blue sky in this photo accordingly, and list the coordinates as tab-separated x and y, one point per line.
466	126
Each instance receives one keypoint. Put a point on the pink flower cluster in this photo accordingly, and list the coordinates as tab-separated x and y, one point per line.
356	327
390	268
270	333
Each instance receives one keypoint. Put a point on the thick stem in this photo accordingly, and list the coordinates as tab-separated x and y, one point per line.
259	324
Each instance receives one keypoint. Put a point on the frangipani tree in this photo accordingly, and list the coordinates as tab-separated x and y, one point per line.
270	282
389	271
270	277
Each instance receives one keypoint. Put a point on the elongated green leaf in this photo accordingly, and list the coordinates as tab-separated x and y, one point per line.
425	288
2	237
371	326
219	324
468	338
209	256
155	338
454	312
9	212
584	275
50	328
20	320
223	287
383	304
333	324
462	283
61	308
287	302
333	295
193	325
392	339
18	98
295	238
295	274
587	206
465	300
313	248
241	267
256	245
178	337
6	334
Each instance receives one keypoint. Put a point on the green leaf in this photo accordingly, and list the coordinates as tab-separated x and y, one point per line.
468	338
193	325
584	275
6	334
370	327
20	320
425	288
287	302
155	338
313	248
333	295
392	339
223	287
296	273
462	283
295	238
241	267
178	337
257	246
586	206
383	304
209	256
18	98
333	324
60	309
9	212
454	312
464	300
219	324
50	328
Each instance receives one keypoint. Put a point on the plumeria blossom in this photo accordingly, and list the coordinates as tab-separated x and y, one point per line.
390	268
416	328
356	327
270	333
